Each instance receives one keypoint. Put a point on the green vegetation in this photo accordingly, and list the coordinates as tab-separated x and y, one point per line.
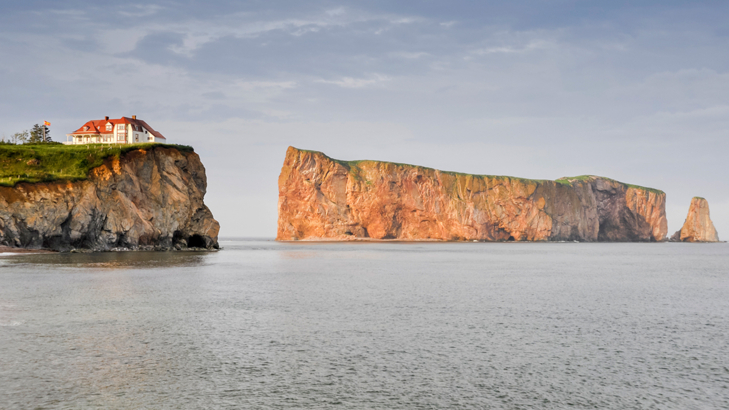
353	167
19	137
39	133
700	197
567	180
53	162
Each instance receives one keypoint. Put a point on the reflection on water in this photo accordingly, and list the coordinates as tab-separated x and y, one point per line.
105	260
362	326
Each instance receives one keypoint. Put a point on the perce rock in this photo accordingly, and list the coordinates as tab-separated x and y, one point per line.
144	199
698	226
325	199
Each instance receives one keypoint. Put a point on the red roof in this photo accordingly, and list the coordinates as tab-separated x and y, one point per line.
99	127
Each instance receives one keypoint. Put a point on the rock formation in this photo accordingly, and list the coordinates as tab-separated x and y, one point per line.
698	226
145	199
325	199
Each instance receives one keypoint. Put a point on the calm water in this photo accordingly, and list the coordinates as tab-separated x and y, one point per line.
369	326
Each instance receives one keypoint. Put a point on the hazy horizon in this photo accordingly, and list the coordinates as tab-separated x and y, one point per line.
534	89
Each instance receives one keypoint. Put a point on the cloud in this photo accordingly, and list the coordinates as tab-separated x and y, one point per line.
349	82
515	49
76	14
140	10
243	25
409	54
117	41
250	85
335	12
405	20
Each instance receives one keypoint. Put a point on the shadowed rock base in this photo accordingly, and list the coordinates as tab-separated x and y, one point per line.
145	200
325	199
698	226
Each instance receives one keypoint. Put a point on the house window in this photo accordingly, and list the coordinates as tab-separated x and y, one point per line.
121	132
108	127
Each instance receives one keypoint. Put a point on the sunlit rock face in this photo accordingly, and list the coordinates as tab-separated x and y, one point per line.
146	199
325	199
698	226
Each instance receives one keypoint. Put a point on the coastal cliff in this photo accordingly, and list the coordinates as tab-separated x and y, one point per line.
144	199
325	199
698	226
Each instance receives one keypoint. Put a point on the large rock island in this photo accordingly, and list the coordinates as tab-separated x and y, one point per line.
321	198
148	198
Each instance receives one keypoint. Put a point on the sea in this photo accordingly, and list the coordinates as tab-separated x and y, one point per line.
271	325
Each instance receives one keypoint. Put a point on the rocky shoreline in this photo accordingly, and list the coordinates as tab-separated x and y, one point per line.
9	249
145	199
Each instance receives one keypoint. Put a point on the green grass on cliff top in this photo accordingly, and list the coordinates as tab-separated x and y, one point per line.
351	165
54	162
564	181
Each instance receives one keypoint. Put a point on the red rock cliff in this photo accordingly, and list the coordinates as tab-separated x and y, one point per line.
325	199
146	199
698	226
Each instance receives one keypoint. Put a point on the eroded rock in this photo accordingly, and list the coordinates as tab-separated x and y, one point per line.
145	200
698	226
325	199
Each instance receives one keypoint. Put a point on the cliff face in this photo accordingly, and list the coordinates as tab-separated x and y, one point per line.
145	199
698	226
324	199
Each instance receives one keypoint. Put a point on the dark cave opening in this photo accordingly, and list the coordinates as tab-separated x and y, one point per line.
196	241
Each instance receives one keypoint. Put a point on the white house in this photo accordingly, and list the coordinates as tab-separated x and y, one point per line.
120	131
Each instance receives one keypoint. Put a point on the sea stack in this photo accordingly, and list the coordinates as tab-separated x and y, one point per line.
321	198
698	226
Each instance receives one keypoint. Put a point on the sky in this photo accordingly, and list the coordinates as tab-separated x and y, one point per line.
633	90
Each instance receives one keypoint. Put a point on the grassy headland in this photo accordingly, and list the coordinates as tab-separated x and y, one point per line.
566	181
53	162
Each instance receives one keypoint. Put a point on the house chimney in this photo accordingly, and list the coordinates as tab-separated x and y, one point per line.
106	118
134	117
